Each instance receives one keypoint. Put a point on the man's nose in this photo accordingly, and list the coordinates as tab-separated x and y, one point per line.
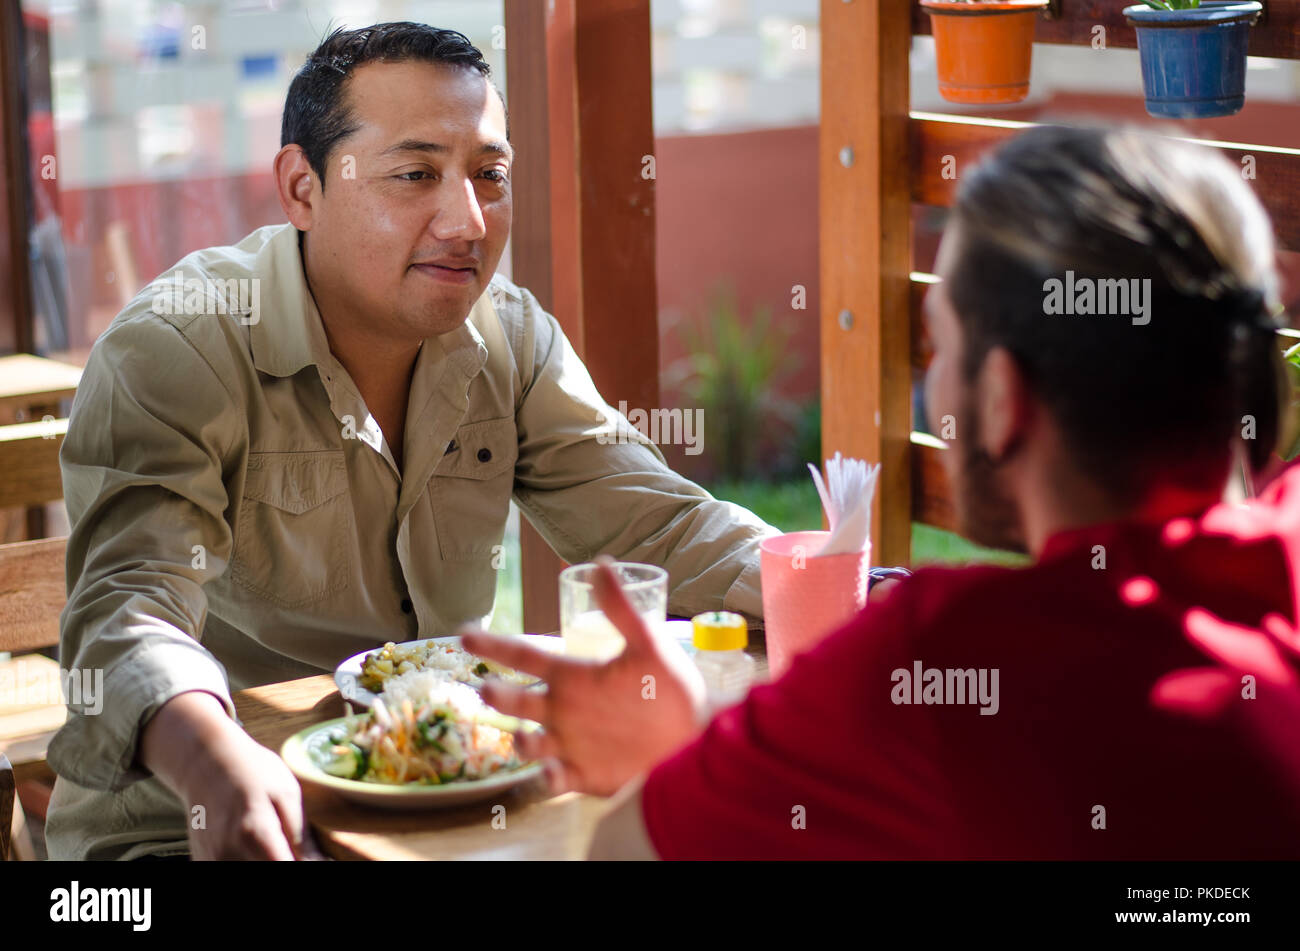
459	215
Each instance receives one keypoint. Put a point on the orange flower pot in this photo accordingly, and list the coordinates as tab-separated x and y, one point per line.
984	48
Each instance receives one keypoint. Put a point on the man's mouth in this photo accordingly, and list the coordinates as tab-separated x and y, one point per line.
448	272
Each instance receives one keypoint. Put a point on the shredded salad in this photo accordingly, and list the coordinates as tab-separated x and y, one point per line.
424	730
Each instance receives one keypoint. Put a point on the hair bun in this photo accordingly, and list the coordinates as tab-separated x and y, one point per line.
1245	306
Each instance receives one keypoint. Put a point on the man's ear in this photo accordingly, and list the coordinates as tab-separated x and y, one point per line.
1004	404
295	184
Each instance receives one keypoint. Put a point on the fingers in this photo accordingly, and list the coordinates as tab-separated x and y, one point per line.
288	805
517	701
263	836
558	778
532	744
511	652
310	851
612	600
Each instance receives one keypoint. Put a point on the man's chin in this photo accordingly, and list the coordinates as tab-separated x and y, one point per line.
990	533
985	514
445	314
432	325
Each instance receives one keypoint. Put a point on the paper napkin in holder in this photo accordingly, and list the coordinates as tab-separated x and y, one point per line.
815	581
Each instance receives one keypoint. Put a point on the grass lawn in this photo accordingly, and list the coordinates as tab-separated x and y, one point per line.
794	506
790	506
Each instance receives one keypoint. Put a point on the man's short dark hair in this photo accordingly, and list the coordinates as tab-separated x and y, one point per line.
1139	405
316	116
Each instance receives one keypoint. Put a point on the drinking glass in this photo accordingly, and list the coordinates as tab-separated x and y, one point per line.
586	631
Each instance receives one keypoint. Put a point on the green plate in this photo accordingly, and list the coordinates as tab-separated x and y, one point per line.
298	750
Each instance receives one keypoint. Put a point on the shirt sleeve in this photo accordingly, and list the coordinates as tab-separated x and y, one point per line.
817	765
143	483
591	483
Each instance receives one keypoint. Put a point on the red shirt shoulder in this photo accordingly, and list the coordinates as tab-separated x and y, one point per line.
995	713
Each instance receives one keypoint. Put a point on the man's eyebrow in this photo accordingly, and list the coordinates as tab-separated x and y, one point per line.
415	145
419	145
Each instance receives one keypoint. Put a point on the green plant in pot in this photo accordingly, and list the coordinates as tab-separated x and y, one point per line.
1193	54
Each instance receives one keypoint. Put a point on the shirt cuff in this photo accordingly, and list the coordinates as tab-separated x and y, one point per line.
97	746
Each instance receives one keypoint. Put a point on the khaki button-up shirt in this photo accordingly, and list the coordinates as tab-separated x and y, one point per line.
238	519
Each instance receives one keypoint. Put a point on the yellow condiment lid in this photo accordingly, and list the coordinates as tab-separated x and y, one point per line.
719	631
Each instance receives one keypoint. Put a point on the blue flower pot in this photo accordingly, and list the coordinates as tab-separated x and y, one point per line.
1194	61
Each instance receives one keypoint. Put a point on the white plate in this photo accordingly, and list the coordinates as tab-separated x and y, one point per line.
296	752
348	674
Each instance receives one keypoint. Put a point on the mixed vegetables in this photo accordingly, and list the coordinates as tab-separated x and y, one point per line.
429	742
394	660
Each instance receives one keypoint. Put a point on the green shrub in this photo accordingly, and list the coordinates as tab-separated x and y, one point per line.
732	371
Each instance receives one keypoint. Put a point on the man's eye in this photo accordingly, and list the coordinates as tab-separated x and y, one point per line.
496	175
406	176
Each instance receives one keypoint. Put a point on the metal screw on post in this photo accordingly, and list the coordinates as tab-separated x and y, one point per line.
846	156
846	319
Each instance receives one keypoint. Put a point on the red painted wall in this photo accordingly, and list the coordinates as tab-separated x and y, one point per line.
738	210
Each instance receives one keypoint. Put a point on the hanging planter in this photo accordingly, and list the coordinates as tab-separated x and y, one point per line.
1193	59
984	47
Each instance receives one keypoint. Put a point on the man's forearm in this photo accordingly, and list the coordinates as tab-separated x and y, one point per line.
189	722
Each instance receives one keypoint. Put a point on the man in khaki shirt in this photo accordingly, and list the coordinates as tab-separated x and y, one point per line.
300	447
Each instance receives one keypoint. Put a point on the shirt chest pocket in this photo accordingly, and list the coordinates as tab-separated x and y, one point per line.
291	540
470	489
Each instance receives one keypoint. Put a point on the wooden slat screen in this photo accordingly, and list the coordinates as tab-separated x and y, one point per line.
864	79
1277	34
965	138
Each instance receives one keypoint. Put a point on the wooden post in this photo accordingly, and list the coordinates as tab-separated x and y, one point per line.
579	90
866	253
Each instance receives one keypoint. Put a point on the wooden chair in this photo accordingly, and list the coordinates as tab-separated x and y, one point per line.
880	163
32	388
32	594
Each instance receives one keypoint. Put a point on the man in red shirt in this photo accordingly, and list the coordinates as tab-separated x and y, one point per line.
1104	350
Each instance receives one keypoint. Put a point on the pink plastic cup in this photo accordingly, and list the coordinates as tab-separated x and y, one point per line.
806	597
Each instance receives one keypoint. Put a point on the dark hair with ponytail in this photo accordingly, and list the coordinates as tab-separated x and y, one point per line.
1171	400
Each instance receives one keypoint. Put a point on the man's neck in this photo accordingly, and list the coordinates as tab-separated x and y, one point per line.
1070	501
379	366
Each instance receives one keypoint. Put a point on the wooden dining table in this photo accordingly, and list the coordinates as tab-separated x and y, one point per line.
535	823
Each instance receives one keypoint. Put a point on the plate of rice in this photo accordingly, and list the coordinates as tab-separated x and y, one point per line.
363	676
425	742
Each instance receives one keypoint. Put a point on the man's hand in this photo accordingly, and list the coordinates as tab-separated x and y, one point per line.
605	723
251	802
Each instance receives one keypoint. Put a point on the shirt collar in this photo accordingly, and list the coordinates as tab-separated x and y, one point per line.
290	334
1069	540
